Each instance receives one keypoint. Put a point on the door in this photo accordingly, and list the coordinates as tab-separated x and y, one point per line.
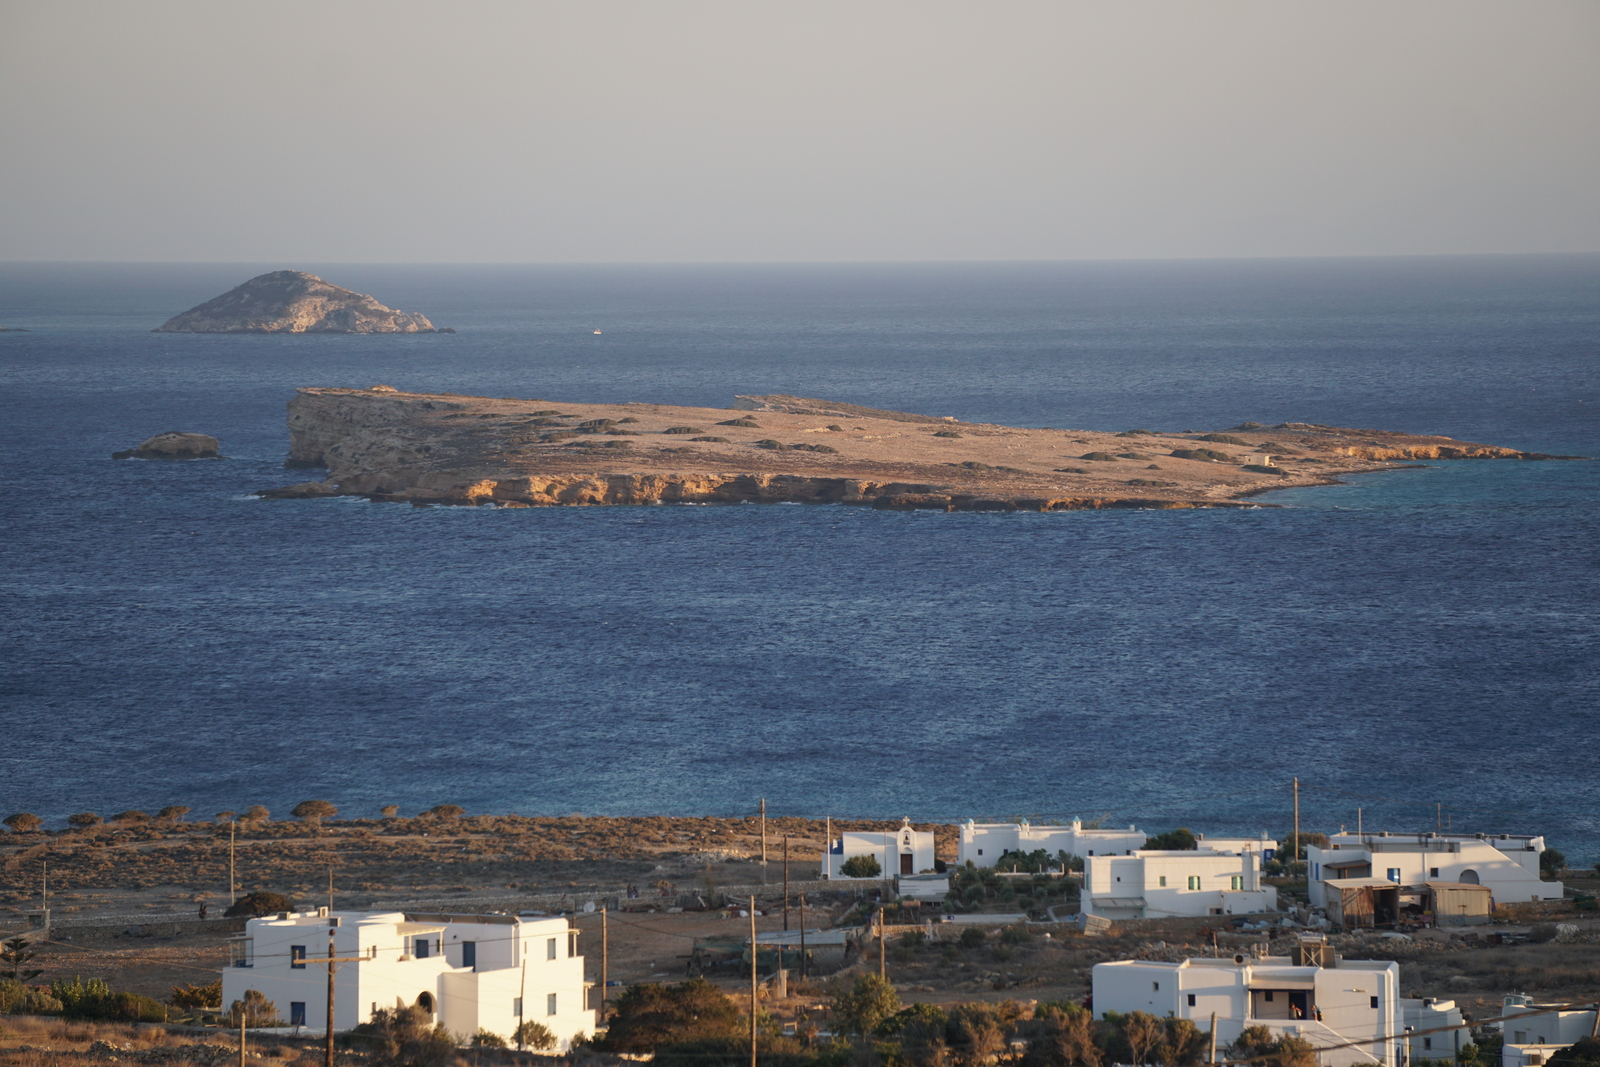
469	954
905	863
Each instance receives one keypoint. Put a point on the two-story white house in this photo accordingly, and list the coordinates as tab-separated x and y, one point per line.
1352	1001
1535	1030
469	972
1508	865
982	843
1150	885
903	851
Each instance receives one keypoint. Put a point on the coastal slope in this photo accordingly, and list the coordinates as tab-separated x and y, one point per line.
291	301
441	448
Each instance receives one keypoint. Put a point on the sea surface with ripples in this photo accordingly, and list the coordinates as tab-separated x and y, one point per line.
1409	639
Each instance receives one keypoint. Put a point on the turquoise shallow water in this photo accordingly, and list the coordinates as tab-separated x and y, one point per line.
1408	638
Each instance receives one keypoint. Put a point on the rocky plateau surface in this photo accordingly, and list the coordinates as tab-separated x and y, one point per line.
290	301
173	444
441	448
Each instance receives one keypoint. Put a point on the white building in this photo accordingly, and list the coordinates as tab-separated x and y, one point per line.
1507	865
982	843
1535	1031
1327	1006
470	972
1150	885
1261	843
1430	1014
903	851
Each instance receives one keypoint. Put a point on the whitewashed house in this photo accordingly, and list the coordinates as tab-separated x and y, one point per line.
1150	885
1260	843
1534	1031
469	972
1420	1016
1508	865
903	851
1355	1001
982	843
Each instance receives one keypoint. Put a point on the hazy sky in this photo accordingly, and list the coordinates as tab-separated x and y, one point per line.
677	130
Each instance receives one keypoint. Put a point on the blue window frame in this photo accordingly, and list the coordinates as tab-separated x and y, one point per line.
297	957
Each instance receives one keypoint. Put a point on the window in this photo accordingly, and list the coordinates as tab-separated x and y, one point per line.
1236	882
1268	997
1161	881
1155	987
1191	1000
1427	1042
516	1006
1091	852
550	949
297	1013
1394	875
980	852
422	948
1194	881
469	954
1119	877
297	956
1433	872
550	1004
1374	1003
1519	1037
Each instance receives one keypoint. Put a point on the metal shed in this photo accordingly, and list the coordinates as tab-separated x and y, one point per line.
1456	903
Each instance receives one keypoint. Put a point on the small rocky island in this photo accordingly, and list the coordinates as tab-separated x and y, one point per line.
291	301
443	448
174	444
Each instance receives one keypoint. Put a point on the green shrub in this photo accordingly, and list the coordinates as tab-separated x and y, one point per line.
535	1035
486	1039
769	443
749	424
546	411
1137	433
864	1006
1101	457
16	998
684	431
1180	840
1015	935
1154	483
613	432
1072	470
630	418
1262	468
815	448
263	902
192	997
711	440
313	812
253	1010
1131	455
973	936
559	435
1249	426
84	819
649	1015
947	433
835	427
23	822
596	425
862	866
131	817
1224	439
1203	455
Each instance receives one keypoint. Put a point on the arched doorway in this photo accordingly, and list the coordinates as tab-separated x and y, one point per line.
425	1002
1469	876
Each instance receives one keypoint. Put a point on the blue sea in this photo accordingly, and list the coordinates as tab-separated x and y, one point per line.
1420	644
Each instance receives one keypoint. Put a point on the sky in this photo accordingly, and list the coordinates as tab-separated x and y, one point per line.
768	131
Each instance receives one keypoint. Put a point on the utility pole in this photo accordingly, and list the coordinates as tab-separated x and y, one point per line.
786	882
605	963
1294	850
1438	817
883	967
330	891
763	840
1358	822
522	1000
753	971
233	879
803	939
243	1015
1213	1057
332	959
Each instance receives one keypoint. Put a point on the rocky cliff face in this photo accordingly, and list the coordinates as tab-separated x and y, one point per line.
289	301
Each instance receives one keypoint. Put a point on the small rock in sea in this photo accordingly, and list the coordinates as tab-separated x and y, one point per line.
173	445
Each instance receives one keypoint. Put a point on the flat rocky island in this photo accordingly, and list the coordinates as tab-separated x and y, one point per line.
441	448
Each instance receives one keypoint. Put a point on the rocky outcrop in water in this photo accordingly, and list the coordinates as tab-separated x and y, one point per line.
173	444
291	301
